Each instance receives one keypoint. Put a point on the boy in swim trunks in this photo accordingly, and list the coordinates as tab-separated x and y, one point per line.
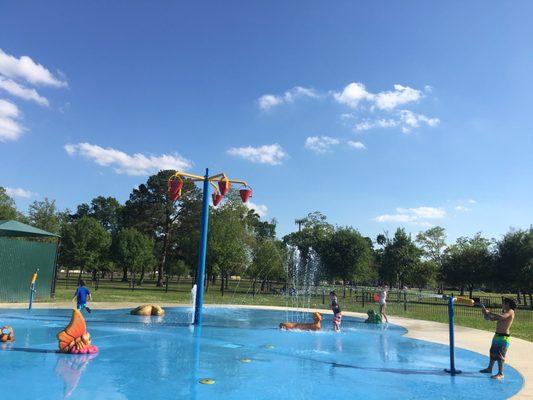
337	315
82	295
502	337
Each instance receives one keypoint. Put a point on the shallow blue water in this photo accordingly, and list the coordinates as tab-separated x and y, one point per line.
156	358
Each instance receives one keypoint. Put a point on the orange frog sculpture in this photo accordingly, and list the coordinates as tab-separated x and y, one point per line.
7	334
315	326
75	339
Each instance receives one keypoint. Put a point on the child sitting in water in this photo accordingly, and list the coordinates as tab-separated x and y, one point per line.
81	296
337	315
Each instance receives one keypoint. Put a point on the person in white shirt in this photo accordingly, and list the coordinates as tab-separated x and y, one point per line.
383	302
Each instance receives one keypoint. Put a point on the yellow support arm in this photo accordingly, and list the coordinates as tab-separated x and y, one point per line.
191	176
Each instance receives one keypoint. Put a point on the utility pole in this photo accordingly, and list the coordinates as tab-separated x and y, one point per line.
299	222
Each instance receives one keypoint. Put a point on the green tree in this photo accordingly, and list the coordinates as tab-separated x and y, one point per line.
44	215
106	210
8	209
400	257
346	255
268	260
433	243
228	251
150	210
422	274
261	229
135	251
514	262
85	245
468	263
313	230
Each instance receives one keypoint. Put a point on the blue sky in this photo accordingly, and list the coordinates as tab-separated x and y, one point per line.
379	114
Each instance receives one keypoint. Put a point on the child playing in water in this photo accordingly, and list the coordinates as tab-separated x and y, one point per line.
383	302
501	339
82	295
337	315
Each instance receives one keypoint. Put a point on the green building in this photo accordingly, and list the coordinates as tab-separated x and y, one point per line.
22	251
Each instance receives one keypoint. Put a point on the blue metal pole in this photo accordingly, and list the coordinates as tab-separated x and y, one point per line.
33	287
452	369
200	273
32	291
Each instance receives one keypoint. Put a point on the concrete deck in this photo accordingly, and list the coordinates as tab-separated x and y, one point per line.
519	356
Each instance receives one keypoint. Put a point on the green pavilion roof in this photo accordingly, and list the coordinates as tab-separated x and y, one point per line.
15	228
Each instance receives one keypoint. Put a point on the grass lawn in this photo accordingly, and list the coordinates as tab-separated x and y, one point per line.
241	293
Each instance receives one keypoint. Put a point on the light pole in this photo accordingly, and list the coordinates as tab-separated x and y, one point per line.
175	185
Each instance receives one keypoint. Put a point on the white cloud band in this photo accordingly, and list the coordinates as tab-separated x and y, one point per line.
137	164
272	154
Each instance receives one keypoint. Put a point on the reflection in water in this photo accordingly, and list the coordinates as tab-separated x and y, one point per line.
384	344
70	368
197	336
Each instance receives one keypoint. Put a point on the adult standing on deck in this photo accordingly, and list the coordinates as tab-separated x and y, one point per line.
383	302
502	337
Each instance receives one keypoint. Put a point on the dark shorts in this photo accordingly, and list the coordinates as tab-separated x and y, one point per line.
500	344
81	306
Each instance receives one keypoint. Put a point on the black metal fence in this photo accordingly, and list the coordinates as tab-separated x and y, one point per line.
406	302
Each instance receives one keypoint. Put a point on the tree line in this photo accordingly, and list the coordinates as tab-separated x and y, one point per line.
150	234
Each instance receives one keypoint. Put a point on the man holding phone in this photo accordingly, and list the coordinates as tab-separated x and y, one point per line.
502	337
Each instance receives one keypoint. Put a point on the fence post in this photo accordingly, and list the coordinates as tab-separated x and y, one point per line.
404	301
363	298
323	296
343	291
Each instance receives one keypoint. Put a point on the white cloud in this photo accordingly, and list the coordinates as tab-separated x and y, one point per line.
393	218
320	144
267	101
464	208
10	126
407	120
379	123
461	208
123	163
356	145
347	116
272	154
424	212
260	209
19	192
355	92
385	102
364	126
417	216
411	120
400	95
21	91
25	68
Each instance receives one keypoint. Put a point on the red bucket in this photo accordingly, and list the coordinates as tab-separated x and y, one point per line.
245	194
217	198
224	186
174	189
